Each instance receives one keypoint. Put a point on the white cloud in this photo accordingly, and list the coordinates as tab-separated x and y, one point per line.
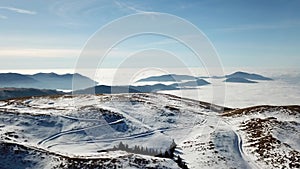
126	6
47	53
247	27
3	17
18	10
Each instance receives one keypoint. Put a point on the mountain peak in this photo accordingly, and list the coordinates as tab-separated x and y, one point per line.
249	76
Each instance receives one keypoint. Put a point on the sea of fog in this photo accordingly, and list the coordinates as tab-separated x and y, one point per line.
283	90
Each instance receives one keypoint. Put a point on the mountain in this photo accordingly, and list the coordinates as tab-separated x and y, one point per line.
45	81
103	89
167	78
245	75
55	81
10	93
15	80
153	88
234	77
145	131
239	80
194	83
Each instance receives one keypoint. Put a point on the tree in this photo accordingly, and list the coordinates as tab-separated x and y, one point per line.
167	154
147	151
172	149
121	146
173	145
181	163
114	148
179	160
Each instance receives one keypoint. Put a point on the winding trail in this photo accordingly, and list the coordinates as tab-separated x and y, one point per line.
239	145
104	123
133	136
75	131
250	162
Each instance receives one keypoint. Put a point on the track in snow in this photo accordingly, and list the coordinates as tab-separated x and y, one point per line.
250	163
75	131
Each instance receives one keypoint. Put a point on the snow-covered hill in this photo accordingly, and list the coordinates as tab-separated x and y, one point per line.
83	131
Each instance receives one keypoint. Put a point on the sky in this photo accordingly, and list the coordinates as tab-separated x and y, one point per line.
38	34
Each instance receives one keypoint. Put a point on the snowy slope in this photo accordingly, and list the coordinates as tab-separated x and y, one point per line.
61	131
270	134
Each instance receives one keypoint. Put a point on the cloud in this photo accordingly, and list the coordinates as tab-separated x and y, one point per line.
40	53
3	17
250	27
126	6
18	10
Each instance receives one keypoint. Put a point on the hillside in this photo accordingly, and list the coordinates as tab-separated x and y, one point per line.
11	93
86	130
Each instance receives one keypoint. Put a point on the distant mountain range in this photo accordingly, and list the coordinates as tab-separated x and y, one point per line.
103	89
15	79
9	93
64	82
167	78
192	83
44	81
12	93
18	85
237	77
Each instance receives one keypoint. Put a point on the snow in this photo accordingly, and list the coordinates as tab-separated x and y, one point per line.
88	126
279	126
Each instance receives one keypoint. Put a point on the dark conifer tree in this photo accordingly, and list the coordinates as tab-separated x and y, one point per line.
179	160
121	146
167	154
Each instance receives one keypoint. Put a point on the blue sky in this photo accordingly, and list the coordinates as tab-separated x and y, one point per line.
50	34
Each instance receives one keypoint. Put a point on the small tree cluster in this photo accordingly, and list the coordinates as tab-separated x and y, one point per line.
168	153
137	149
